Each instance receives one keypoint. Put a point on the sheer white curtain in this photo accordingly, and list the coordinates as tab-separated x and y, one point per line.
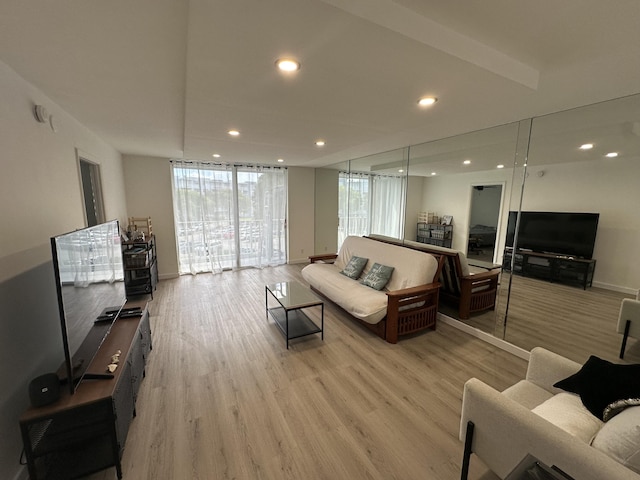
262	206
370	203
353	204
228	216
387	212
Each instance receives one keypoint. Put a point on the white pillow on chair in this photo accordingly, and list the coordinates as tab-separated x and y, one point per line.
620	438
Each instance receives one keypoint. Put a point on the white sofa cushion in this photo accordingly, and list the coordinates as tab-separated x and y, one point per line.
527	394
411	269
371	305
620	438
566	411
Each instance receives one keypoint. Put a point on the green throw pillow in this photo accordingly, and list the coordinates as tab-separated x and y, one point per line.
354	268
378	276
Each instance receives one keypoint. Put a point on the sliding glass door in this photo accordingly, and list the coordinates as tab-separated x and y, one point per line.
228	216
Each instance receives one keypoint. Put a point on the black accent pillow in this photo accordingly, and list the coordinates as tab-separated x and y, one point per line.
600	383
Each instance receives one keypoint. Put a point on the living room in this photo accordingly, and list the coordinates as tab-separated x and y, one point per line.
40	187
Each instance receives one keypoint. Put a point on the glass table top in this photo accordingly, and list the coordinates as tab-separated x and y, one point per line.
293	295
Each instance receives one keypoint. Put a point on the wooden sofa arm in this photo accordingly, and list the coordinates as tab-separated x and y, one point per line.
478	292
326	258
477	277
413	291
418	304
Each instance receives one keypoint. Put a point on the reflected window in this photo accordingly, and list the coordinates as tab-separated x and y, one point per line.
370	203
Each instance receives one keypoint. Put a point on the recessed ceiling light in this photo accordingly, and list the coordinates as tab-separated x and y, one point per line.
433	173
233	133
280	160
586	146
611	155
401	171
467	162
320	143
216	155
500	166
288	64
427	101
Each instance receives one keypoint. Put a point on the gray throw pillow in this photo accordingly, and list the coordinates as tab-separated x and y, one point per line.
354	268
378	276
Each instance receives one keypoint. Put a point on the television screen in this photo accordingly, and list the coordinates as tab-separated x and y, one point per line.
562	233
89	282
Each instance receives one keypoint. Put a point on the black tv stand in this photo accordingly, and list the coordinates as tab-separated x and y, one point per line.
83	433
97	376
565	269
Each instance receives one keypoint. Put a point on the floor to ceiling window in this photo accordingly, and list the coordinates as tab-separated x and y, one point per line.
228	216
370	203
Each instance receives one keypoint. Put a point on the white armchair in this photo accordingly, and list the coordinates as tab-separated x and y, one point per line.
629	320
501	429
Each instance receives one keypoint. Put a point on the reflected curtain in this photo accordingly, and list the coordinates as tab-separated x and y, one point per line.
370	203
387	205
90	255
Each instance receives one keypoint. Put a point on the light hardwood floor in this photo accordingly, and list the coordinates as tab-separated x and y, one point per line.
224	399
568	320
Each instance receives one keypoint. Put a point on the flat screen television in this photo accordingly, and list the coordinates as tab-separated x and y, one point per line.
561	233
90	285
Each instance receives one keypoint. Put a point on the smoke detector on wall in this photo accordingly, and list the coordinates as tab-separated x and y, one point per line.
41	113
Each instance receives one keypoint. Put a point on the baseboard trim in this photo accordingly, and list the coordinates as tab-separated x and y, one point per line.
615	288
486	337
168	276
298	260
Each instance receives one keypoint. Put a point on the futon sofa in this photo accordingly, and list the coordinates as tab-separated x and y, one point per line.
407	303
535	418
468	292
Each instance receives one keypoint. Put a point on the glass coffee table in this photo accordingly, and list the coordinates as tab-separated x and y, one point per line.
292	298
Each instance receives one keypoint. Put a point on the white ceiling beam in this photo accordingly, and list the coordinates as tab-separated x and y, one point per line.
406	22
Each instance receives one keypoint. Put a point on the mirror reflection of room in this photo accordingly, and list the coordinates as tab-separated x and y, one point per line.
483	222
540	167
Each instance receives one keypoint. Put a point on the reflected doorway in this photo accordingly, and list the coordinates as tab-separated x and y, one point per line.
486	201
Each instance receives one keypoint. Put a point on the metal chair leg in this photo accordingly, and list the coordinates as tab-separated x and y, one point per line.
624	338
466	456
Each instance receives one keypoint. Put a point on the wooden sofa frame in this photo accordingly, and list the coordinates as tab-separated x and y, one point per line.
402	317
469	293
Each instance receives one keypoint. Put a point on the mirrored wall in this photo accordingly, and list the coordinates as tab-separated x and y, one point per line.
542	164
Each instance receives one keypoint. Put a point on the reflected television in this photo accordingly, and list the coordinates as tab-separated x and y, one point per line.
560	233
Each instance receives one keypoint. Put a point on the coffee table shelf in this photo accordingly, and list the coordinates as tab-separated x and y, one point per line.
289	316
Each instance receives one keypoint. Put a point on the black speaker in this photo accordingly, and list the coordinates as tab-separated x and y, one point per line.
44	389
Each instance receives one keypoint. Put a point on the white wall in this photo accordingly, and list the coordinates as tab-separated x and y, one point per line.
326	211
451	195
300	224
609	188
40	196
148	189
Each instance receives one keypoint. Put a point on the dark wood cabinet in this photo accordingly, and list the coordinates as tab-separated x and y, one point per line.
86	432
553	268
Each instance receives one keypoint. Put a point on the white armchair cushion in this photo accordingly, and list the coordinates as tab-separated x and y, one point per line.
565	410
620	438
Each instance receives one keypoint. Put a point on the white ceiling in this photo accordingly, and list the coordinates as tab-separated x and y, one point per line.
168	78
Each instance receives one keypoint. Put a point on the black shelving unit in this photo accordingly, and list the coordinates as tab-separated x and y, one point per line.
140	266
435	234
